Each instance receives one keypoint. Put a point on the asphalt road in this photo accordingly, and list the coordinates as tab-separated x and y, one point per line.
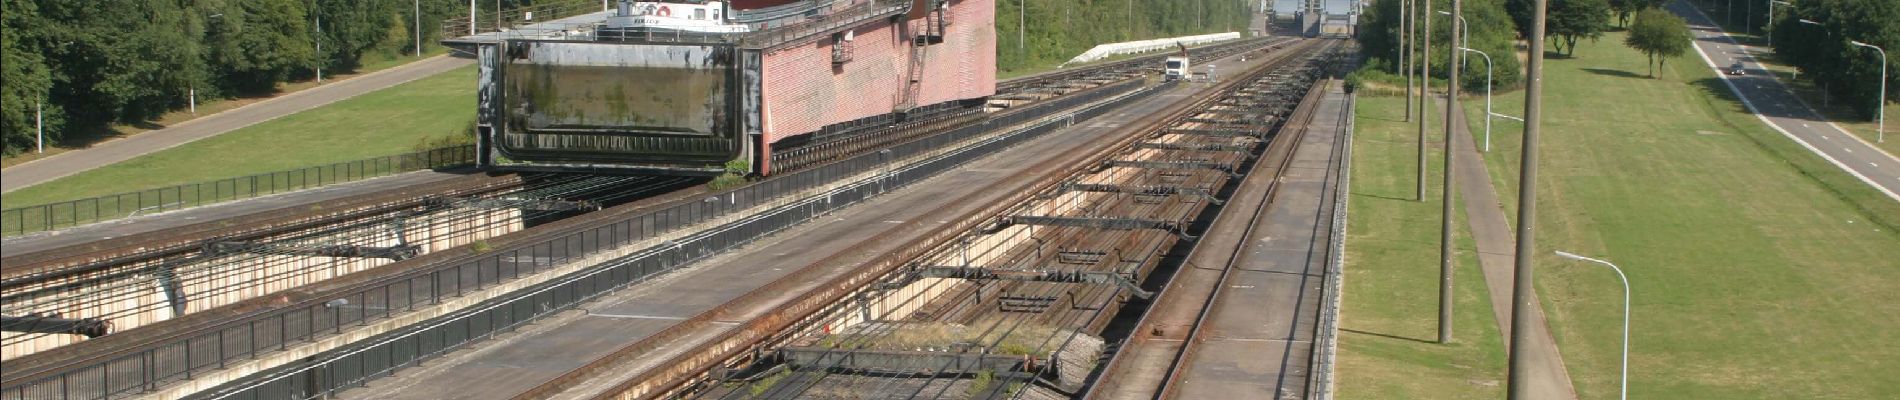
113	151
1781	109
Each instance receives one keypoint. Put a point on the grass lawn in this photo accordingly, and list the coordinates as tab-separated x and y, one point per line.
1390	304
1759	270
372	62
384	122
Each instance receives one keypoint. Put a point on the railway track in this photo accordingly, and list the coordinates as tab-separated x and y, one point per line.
215	323
1162	350
814	324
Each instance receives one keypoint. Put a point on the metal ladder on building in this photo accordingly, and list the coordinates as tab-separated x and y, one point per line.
933	33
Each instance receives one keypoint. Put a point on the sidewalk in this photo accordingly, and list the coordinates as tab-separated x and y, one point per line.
1497	244
117	150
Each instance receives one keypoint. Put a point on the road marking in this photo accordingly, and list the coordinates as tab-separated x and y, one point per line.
1848	149
1805	125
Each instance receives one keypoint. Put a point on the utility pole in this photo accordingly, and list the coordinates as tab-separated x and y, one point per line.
1022	24
1445	217
1424	93
1522	305
1406	37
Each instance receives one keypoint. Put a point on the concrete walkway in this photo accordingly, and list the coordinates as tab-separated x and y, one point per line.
1497	243
112	151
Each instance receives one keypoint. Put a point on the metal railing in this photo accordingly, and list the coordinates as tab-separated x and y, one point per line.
494	21
188	355
1326	340
66	214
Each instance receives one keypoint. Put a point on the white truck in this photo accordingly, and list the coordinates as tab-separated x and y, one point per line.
1177	67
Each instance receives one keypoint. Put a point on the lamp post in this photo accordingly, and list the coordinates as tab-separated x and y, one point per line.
191	92
318	16
1730	13
416	21
1464	33
1487	96
1880	109
1626	314
1771	20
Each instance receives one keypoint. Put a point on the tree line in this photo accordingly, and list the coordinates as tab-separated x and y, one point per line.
1490	27
88	64
1825	54
1822	51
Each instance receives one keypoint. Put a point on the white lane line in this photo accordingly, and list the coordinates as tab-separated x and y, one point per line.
1848	149
1805	125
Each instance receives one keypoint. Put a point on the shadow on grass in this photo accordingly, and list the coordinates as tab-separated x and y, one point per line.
1386	336
1383	197
1614	72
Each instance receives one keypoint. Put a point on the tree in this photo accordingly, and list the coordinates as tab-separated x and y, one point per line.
1625	9
26	76
1823	54
350	28
1659	35
1572	20
257	43
126	62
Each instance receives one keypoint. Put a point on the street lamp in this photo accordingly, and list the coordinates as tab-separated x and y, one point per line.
1771	19
1487	96
1626	314
1730	17
1880	109
192	90
1464	33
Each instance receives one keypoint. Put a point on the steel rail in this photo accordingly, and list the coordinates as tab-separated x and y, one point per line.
1182	362
679	370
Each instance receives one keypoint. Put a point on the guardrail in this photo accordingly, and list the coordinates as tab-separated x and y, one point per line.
1326	340
493	21
65	214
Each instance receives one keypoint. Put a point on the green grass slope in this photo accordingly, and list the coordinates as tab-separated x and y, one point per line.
1759	270
385	122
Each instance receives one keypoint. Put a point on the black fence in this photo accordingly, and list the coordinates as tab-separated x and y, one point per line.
274	331
46	217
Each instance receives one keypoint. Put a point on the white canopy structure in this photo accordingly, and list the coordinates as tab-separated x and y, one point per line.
1142	46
